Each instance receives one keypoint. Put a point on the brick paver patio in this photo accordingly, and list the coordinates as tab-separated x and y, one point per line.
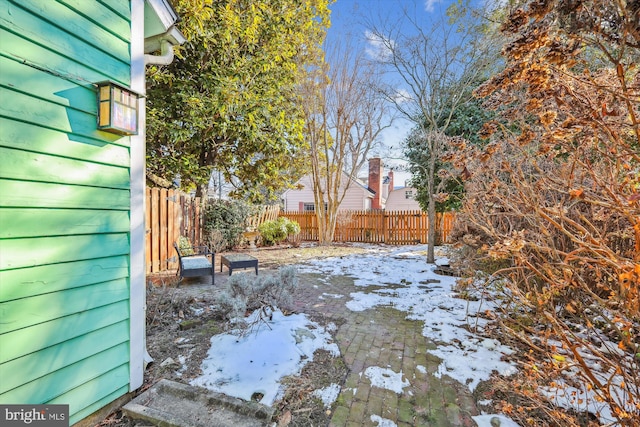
378	337
383	337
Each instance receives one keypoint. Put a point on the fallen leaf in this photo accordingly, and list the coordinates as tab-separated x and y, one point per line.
285	419
576	193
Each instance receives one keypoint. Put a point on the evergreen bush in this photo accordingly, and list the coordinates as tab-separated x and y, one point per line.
224	222
273	232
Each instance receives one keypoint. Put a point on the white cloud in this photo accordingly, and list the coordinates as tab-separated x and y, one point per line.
377	47
402	95
430	4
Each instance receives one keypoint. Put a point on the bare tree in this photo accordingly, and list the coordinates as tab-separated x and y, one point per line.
436	64
345	117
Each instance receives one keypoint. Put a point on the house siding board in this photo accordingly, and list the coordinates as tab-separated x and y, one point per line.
118	7
30	81
48	279
26	312
30	137
47	114
354	198
295	198
63	380
77	24
18	47
28	166
24	194
20	253
91	396
65	194
397	201
22	370
27	222
59	331
38	32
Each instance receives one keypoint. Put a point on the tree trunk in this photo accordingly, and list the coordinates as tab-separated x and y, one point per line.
326	226
431	211
201	191
431	234
323	229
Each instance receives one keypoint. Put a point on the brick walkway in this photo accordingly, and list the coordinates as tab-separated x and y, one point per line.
379	337
382	337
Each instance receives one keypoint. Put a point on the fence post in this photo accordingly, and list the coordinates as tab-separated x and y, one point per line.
155	230
197	222
147	236
163	219
385	227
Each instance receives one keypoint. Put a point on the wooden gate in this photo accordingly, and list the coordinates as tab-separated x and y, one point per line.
169	215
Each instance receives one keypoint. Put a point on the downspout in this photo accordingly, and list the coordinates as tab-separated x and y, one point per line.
165	57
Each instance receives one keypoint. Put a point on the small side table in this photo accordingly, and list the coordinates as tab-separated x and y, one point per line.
238	261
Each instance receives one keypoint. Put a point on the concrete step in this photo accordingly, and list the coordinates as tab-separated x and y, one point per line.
171	404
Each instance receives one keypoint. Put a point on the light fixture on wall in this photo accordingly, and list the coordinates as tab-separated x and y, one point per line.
117	109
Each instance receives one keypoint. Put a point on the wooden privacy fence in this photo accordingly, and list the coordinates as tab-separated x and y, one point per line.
394	228
265	213
169	215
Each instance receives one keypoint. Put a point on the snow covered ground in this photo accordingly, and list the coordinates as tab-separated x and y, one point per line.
244	366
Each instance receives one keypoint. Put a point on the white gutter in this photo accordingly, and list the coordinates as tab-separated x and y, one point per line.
165	43
138	355
165	57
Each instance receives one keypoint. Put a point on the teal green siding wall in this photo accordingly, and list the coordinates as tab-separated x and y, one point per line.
64	205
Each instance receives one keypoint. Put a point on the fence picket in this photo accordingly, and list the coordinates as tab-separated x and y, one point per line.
172	235
155	230
164	220
147	234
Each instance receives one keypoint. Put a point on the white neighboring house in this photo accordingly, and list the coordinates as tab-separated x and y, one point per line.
402	199
359	196
377	193
300	198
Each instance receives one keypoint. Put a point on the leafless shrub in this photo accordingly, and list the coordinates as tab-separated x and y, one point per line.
215	241
557	199
260	297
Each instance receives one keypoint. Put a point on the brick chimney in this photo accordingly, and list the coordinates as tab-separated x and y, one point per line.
375	181
390	182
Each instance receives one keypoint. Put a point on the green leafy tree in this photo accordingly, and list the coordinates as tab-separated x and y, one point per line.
224	222
466	122
229	102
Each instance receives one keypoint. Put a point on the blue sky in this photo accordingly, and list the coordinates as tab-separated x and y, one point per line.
349	18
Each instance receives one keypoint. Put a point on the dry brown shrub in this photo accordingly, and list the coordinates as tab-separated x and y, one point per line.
559	202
